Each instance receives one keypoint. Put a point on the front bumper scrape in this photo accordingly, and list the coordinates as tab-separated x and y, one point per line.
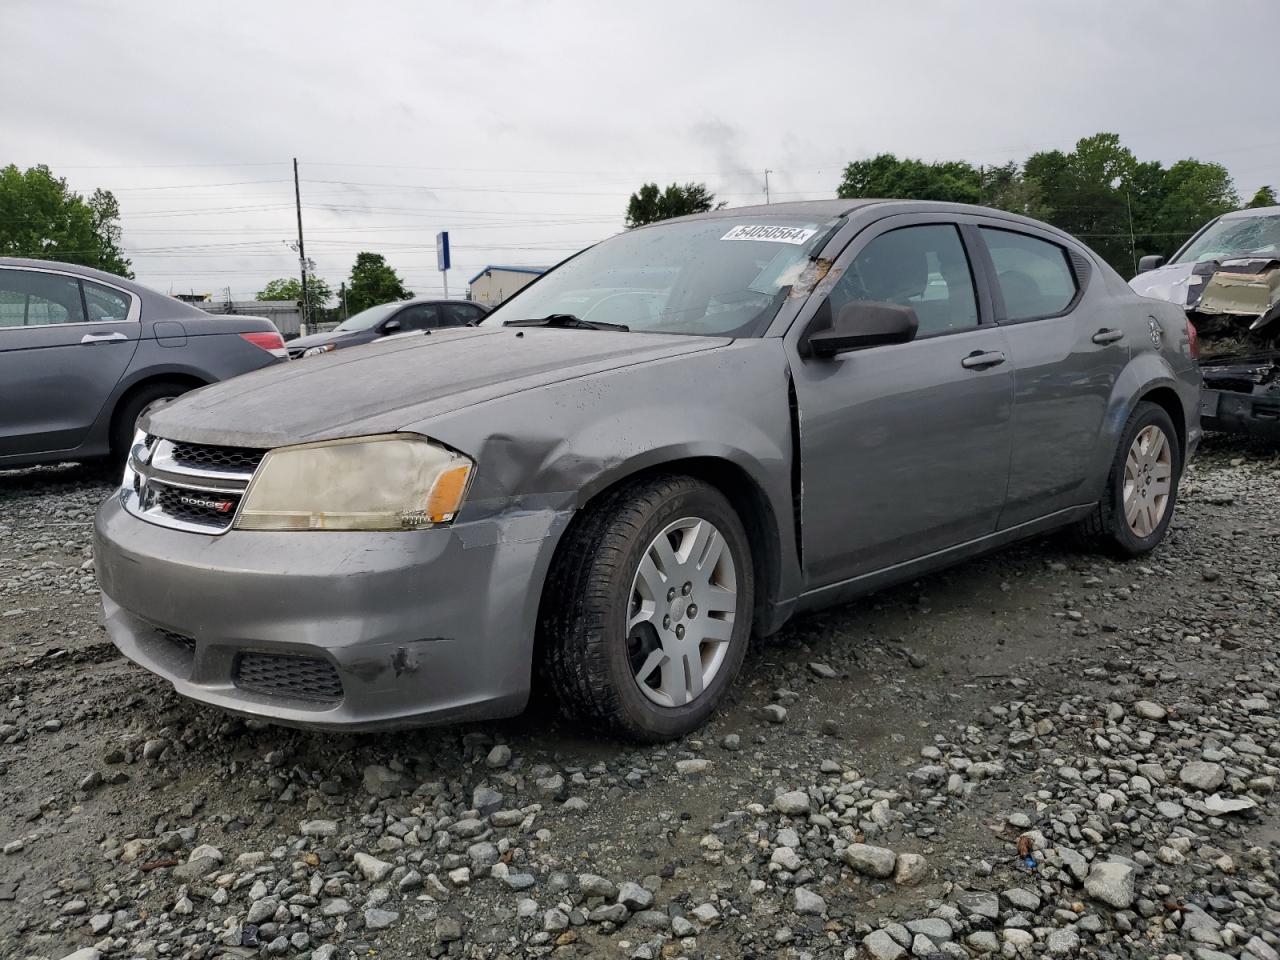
418	627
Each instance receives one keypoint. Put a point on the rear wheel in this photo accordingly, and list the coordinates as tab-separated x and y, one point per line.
125	422
1142	488
648	612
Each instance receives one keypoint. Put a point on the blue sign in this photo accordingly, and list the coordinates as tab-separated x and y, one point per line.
442	250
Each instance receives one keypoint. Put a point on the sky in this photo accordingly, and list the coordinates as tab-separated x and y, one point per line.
522	128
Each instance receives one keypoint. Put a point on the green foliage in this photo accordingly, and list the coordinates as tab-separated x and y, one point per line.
1265	197
41	217
290	288
1090	192
373	282
649	205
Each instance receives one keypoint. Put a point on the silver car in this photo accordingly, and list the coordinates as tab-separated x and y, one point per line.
679	438
83	353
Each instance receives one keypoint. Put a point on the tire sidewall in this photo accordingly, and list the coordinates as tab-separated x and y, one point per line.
1147	414
642	714
124	428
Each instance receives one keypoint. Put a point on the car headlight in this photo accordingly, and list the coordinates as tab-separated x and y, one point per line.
390	482
316	351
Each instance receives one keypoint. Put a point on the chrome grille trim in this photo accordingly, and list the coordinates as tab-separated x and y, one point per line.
186	489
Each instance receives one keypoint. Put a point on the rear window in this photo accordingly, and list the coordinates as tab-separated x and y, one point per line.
1035	275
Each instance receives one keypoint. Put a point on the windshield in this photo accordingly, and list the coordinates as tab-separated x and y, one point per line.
1242	237
366	318
720	277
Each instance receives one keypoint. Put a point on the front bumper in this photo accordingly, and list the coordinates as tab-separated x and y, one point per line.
419	627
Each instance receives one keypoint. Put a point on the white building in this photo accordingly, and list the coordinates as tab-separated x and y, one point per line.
496	283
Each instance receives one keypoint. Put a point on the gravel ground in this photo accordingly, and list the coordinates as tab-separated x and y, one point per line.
1039	753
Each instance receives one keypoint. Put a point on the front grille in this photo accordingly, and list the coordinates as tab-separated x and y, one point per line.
194	506
190	486
287	675
208	457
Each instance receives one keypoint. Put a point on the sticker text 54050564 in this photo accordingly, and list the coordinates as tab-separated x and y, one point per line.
771	233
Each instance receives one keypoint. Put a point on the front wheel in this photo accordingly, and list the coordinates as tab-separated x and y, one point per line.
1142	488
648	612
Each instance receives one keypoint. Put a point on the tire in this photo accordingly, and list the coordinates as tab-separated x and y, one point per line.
1109	527
597	588
125	421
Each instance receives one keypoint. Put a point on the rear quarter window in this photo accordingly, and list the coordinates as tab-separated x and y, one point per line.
1035	276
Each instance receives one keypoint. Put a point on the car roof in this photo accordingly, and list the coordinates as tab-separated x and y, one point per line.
1249	212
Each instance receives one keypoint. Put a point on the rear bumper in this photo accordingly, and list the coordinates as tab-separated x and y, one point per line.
1229	411
418	627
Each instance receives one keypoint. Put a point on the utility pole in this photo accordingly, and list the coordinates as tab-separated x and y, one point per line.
342	298
1133	246
766	185
302	251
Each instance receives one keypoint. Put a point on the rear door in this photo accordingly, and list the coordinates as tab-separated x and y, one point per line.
1066	352
420	316
904	448
64	345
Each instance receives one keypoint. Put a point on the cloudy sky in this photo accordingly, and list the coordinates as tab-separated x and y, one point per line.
523	127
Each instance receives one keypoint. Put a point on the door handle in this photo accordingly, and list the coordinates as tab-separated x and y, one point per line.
1106	335
103	337
980	359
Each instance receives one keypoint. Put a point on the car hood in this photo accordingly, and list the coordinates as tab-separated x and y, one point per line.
1169	283
386	386
318	339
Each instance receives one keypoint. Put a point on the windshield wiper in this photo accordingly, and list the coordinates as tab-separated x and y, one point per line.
567	321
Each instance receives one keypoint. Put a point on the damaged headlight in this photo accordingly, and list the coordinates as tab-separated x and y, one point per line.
316	351
390	482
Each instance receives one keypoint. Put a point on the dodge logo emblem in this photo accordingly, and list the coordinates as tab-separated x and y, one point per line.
218	506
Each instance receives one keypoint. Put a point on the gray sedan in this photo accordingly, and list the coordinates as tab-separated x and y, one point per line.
679	438
83	353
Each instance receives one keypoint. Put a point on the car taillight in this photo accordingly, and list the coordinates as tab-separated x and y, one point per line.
1193	340
273	343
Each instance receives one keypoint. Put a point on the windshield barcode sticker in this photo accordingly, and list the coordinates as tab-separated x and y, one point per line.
773	234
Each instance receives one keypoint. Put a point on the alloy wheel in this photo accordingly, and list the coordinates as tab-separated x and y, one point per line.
1148	472
681	610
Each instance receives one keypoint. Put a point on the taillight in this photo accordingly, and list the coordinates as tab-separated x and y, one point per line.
273	343
1193	340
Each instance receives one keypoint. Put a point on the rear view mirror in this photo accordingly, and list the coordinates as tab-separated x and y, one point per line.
1150	262
865	323
391	326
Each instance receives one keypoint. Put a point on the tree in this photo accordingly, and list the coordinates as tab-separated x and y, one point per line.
373	281
887	176
41	217
1265	197
649	205
290	288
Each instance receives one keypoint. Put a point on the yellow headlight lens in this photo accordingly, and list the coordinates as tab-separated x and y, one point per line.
389	482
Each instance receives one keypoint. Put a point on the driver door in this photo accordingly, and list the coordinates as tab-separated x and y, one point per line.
904	448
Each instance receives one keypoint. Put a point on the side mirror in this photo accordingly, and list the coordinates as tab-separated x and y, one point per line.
1150	262
865	323
391	326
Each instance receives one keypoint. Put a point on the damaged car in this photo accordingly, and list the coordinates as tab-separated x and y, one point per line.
1227	278
672	442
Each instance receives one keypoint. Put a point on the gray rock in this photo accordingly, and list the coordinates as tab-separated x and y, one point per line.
692	768
336	907
1150	711
195	869
486	800
880	946
499	757
774	713
868	860
806	902
1063	943
378	919
980	904
1022	899
319	828
823	670
911	869
611	912
448	930
634	897
594	886
373	869
1202	776
792	803
382	782
551	786
555	920
935	928
1112	883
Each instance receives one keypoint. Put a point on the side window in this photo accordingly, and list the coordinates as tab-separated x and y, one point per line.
1035	275
421	316
924	268
105	304
30	299
459	315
